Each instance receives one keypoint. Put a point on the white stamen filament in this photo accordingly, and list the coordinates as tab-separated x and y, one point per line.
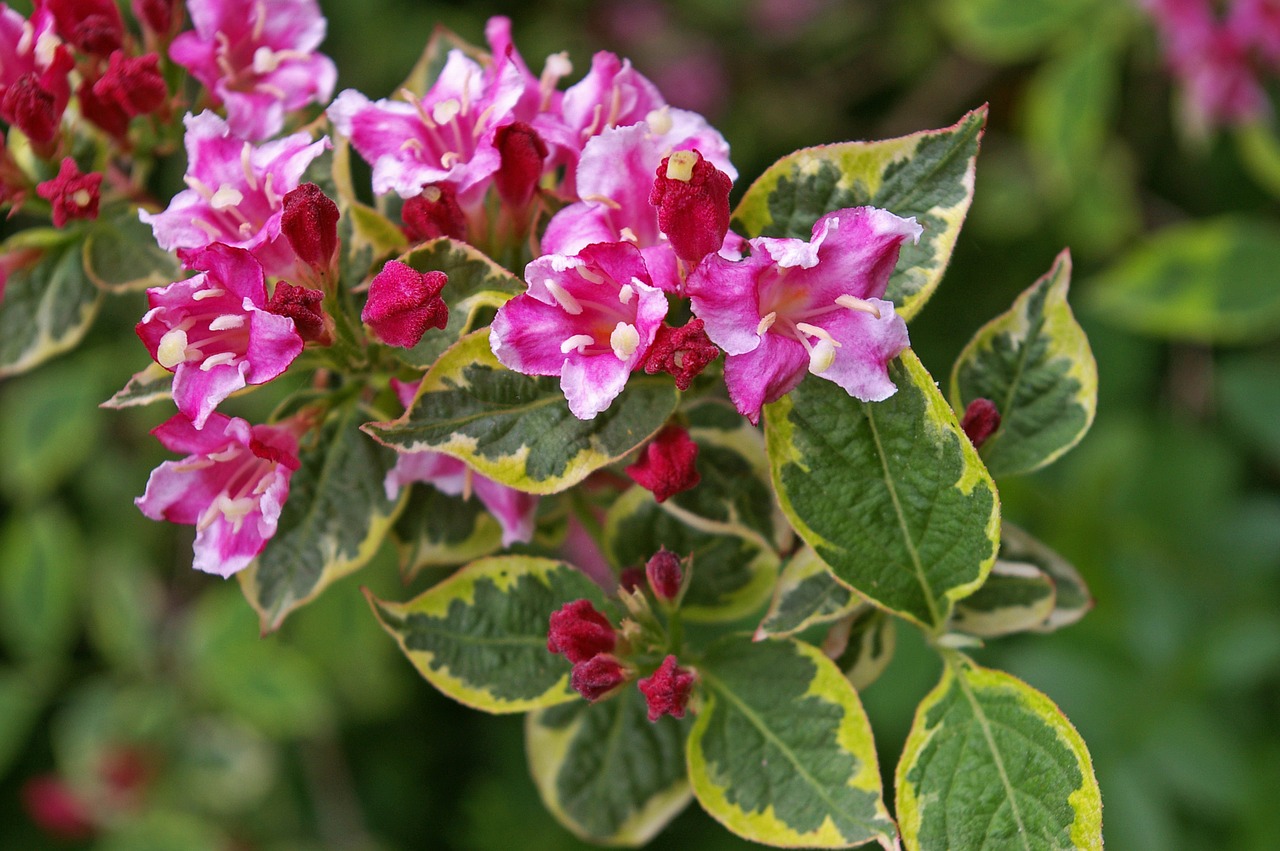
226	322
226	196
260	19
608	202
224	455
212	292
198	185
563	297
577	341
624	340
172	349
820	333
626	293
588	275
556	66
821	356
246	165
858	304
766	322
449	159
659	121
220	359
628	235
445	111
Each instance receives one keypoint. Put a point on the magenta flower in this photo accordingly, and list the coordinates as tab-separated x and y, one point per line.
404	304
258	58
446	136
72	194
514	510
34	64
666	690
589	319
214	331
236	193
615	178
231	486
793	306
94	26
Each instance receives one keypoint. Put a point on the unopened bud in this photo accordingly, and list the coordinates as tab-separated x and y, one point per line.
310	223
598	677
631	578
980	421
666	691
94	26
668	465
682	352
664	574
31	108
133	84
692	197
580	632
403	303
523	153
303	307
433	214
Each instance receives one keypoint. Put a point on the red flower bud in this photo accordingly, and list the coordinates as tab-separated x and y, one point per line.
303	307
133	84
156	15
73	195
980	421
682	352
631	578
31	108
94	26
665	576
692	197
598	676
433	214
310	223
56	809
523	152
666	691
579	632
668	465
103	111
404	303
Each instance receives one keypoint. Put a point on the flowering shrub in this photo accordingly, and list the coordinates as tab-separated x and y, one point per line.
530	315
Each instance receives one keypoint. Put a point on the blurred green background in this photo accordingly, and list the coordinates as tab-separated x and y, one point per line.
146	687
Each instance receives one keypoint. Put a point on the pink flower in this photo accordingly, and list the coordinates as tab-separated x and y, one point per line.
231	486
236	193
214	331
258	57
446	136
793	306
588	318
514	510
615	179
34	64
94	26
1258	22
73	194
404	303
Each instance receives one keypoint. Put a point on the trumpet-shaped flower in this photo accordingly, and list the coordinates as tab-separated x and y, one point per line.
231	486
588	318
236	193
258	58
794	306
214	331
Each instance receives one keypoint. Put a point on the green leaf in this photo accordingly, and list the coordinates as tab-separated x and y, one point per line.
1011	30
332	524
517	429
1016	597
1072	599
47	307
121	254
21	699
928	175
1034	363
991	763
41	564
475	283
437	529
781	752
480	636
806	594
869	637
734	492
605	771
1204	282
732	572
152	384
890	494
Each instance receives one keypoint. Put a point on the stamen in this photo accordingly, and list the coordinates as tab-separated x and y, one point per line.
212	292
246	165
226	196
858	304
226	322
220	359
449	159
821	333
659	121
628	235
608	202
81	197
225	455
556	66
626	294
172	349
590	276
446	111
766	322
624	340
577	341
212	230
563	297
201	188
821	356
260	21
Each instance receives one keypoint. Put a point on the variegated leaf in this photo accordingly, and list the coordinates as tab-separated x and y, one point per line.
48	304
438	529
517	429
121	254
991	763
151	384
862	644
890	494
1016	597
781	752
928	175
605	771
1034	363
480	636
1071	599
807	593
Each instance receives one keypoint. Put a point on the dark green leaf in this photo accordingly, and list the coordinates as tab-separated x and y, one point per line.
47	307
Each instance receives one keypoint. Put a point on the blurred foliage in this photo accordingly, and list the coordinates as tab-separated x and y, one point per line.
113	653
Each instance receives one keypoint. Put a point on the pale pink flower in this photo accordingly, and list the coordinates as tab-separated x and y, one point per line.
793	307
236	193
214	332
258	58
588	318
231	486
